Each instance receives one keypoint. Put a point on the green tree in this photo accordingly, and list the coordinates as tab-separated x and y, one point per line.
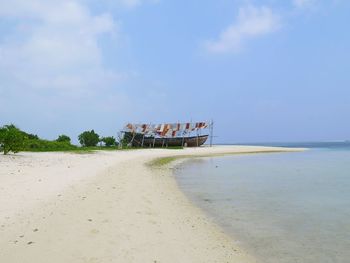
11	139
109	141
63	138
30	136
89	138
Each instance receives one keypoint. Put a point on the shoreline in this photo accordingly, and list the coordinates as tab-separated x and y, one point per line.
108	207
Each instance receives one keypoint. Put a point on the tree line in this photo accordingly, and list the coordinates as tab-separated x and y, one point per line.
12	139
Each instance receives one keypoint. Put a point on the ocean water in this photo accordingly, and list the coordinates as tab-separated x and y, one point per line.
281	207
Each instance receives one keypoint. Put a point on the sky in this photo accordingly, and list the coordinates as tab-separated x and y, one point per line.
264	71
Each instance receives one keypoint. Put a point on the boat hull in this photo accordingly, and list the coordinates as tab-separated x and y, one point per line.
140	141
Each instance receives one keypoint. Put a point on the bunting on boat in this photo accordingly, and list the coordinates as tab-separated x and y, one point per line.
165	129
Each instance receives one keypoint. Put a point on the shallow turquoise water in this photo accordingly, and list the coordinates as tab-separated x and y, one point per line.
282	207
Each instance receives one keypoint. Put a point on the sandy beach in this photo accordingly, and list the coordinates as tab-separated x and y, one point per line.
107	207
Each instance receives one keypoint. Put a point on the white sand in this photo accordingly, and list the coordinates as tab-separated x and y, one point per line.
106	207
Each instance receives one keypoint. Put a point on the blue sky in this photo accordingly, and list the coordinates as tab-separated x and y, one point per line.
263	70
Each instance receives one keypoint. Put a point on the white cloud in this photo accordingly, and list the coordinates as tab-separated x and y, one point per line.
251	22
54	45
54	71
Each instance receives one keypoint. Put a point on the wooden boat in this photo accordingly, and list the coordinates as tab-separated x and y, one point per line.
139	140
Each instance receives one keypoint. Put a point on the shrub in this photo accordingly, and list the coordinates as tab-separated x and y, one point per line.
88	138
30	136
11	139
63	138
47	146
109	141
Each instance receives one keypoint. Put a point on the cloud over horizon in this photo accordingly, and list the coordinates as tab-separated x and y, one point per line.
251	22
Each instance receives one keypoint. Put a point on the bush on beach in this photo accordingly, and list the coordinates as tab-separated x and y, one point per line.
89	138
11	139
47	146
109	141
63	138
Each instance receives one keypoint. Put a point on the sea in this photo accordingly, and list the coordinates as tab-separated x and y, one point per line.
280	207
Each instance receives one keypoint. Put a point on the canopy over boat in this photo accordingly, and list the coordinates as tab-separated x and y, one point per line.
166	130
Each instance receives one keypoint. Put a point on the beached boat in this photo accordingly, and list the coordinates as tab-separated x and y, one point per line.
139	140
166	135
